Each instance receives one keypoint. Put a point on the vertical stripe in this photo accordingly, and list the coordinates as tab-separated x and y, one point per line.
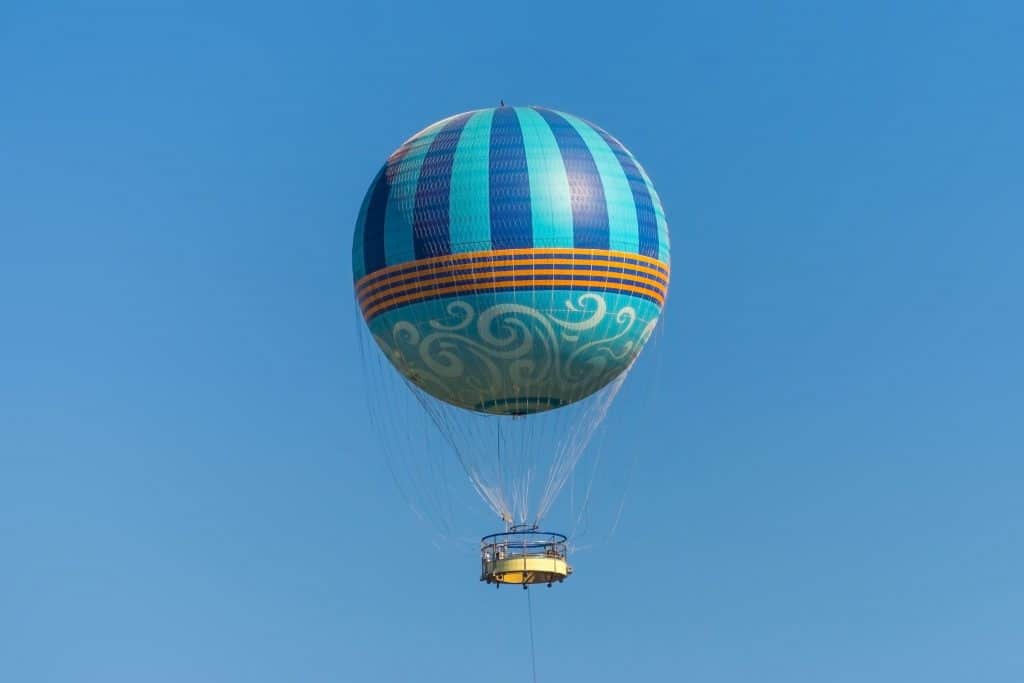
403	176
659	212
373	224
433	186
623	218
433	128
509	184
550	199
642	197
589	210
469	202
358	260
663	239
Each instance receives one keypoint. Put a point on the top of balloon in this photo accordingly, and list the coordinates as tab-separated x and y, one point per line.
507	178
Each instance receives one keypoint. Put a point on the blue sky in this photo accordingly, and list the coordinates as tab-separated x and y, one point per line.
830	472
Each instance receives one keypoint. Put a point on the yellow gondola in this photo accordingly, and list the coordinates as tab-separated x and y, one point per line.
523	555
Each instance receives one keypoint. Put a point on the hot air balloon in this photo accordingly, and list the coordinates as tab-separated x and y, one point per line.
510	264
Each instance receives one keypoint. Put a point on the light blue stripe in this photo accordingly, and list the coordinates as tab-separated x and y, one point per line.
659	213
399	246
623	229
551	203
663	239
469	199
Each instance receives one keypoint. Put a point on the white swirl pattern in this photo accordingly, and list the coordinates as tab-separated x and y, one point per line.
511	357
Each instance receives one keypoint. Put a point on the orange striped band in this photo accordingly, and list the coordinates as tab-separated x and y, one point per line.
485	272
472	259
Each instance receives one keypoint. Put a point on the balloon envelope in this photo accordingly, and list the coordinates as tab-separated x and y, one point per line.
511	260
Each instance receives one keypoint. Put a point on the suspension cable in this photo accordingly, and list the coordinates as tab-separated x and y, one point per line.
533	649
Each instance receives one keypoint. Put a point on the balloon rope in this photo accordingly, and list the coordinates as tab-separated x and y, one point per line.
533	649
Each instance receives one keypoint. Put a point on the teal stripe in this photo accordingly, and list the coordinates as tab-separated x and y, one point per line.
469	198
623	228
550	200
358	264
659	213
399	246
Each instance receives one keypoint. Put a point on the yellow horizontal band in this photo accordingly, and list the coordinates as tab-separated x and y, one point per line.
505	263
472	288
524	276
492	257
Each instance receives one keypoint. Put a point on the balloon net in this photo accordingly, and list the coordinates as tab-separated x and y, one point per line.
545	468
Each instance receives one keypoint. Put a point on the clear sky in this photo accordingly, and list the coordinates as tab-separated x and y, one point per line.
830	470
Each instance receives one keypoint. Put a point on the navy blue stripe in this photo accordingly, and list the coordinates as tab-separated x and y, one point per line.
589	209
511	214
430	226
529	258
482	285
561	271
532	288
645	216
373	224
374	257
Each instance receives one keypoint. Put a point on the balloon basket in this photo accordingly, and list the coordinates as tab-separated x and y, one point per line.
523	556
